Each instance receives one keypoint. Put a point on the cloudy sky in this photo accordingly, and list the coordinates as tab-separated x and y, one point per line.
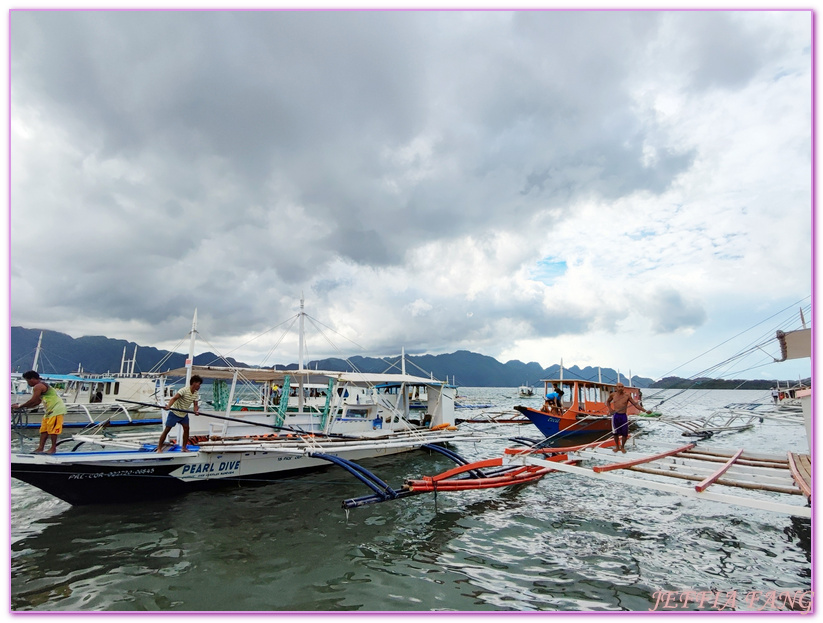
624	189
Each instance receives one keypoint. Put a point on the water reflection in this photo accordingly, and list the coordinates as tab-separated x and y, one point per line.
559	544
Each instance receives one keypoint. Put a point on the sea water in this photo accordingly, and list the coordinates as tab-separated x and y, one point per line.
560	544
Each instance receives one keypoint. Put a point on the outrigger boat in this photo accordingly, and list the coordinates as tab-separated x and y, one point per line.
355	423
582	411
775	482
93	399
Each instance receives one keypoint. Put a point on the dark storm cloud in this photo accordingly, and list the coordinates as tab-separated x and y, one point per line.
315	98
228	160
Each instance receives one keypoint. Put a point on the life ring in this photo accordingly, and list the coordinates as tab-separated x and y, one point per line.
244	409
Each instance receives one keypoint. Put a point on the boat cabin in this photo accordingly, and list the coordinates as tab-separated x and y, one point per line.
587	397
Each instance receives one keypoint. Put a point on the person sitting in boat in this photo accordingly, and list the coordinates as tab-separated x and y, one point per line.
558	401
53	405
617	403
552	402
184	399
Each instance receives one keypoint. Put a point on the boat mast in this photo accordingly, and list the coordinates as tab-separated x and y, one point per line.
190	359
300	329
301	338
37	352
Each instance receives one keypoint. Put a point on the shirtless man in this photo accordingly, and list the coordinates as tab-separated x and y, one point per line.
618	402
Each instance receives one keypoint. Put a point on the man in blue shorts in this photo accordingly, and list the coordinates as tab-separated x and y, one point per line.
184	399
618	402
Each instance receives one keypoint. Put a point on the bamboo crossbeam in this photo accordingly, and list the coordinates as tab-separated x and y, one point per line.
606	468
746	455
741	461
701	469
728	483
705	484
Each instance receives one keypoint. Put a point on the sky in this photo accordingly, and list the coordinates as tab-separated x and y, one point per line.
626	189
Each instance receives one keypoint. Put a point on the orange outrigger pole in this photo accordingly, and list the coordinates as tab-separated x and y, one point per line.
450	480
485	474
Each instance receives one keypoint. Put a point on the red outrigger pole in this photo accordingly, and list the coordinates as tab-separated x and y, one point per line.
451	481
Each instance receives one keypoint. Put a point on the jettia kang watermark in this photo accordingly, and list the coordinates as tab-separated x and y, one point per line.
798	600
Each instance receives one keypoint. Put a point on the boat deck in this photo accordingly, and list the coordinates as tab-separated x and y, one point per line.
780	483
801	465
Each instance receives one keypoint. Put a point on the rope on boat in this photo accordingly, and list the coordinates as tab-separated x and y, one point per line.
290	429
19	418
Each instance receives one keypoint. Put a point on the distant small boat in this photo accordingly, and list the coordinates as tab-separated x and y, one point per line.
525	391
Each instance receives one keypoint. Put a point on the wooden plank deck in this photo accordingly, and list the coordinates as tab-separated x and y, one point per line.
801	467
736	477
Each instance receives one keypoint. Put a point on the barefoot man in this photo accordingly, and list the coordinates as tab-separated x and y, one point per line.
184	399
618	402
53	406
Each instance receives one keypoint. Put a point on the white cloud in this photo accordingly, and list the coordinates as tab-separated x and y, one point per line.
415	174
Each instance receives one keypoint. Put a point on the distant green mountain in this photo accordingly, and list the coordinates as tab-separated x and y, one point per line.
61	354
676	382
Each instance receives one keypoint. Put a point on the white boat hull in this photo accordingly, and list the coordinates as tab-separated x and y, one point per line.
132	474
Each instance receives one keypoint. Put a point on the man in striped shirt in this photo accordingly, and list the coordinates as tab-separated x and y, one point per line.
184	399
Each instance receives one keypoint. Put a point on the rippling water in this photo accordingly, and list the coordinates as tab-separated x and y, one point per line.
561	544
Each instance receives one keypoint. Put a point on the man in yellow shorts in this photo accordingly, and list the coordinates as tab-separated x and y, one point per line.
53	405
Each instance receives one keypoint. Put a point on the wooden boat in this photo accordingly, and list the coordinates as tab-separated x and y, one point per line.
525	391
583	408
734	477
780	482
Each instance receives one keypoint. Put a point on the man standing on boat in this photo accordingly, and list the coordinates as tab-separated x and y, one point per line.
53	405
184	399
618	403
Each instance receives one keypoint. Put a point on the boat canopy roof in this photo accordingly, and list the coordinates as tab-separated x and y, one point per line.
585	383
267	375
74	377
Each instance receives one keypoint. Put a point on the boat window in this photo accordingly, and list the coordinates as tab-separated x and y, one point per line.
357	412
116	388
108	389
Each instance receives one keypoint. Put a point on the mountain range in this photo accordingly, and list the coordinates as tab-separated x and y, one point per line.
62	354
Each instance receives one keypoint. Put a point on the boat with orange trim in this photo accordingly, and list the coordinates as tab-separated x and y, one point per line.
582	409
